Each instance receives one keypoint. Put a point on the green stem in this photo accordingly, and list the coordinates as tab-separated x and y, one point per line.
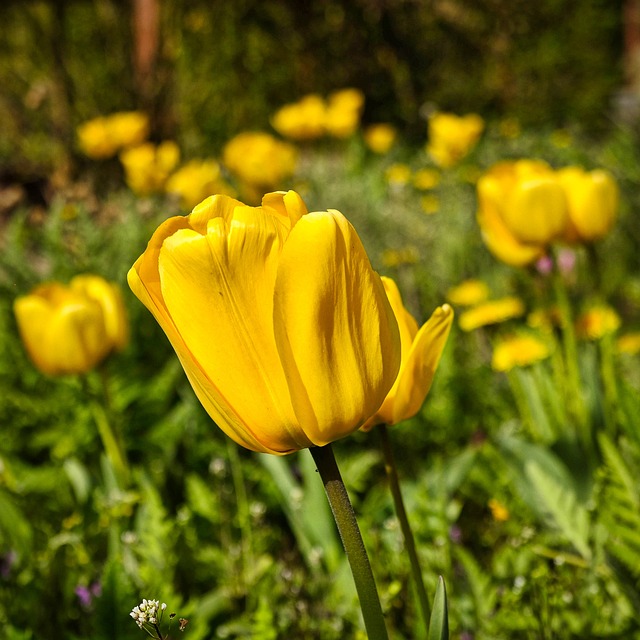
111	441
401	514
352	541
243	514
575	397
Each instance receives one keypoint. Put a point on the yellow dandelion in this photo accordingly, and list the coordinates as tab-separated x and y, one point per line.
491	312
380	137
518	351
398	174
425	179
499	512
468	293
629	343
597	322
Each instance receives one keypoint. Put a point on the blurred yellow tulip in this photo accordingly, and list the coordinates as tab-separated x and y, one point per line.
283	328
302	120
521	209
104	136
343	112
196	180
592	198
421	351
259	160
452	137
147	166
70	329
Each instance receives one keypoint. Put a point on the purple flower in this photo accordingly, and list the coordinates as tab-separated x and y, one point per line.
544	265
87	594
84	595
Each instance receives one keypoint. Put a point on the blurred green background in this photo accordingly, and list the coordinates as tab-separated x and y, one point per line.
219	67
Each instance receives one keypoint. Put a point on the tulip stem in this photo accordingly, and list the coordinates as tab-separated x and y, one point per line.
401	514
575	399
110	437
352	541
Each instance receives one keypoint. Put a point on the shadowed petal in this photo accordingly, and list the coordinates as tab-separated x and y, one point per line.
334	327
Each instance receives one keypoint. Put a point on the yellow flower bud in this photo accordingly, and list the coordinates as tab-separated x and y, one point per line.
283	328
70	329
421	351
592	198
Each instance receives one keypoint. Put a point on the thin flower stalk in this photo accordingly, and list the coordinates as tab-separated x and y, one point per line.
352	540
401	513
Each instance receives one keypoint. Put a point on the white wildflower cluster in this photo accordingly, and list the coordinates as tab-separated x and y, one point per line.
147	612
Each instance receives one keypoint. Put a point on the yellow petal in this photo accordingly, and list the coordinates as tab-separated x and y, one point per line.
108	296
62	332
499	240
218	290
335	330
416	374
536	210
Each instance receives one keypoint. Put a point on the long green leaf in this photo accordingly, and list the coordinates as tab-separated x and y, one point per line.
439	625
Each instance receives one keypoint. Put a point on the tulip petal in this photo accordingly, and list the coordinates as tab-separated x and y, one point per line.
68	339
218	290
334	327
501	242
416	375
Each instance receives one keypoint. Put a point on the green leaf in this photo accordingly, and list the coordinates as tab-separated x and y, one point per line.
439	624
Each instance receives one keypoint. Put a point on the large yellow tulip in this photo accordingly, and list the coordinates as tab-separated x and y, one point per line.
592	198
421	351
521	209
282	326
70	329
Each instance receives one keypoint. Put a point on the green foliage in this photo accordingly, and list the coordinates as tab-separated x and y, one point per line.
242	545
224	67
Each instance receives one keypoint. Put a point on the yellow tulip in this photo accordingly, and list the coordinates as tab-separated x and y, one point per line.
421	351
282	326
259	160
196	180
302	120
70	329
592	198
343	112
147	166
452	137
521	209
104	136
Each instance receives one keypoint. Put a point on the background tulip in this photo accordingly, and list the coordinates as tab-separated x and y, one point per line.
421	351
70	329
521	209
452	137
282	327
592	199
